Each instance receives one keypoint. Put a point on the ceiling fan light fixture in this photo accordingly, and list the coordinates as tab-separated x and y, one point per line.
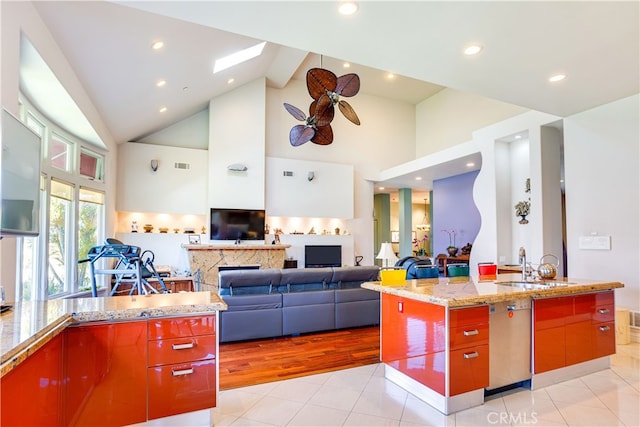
348	8
473	49
238	57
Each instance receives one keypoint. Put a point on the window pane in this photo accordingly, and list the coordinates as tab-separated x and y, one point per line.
29	272
91	165
59	232
90	234
59	153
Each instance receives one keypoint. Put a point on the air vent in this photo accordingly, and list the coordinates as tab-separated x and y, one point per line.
182	165
287	173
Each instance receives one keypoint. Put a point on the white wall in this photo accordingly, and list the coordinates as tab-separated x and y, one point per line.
328	195
192	132
602	182
450	117
167	190
237	135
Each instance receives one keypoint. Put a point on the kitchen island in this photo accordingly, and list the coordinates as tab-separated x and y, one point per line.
435	333
121	360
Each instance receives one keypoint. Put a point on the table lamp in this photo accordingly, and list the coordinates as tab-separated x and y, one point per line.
387	255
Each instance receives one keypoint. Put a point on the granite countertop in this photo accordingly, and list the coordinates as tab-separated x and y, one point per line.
29	325
467	291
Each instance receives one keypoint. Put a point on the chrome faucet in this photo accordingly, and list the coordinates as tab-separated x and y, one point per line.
522	260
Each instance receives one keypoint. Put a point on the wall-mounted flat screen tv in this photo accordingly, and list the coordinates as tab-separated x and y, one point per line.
20	178
322	256
237	224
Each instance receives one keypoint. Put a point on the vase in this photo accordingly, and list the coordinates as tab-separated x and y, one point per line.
523	219
452	251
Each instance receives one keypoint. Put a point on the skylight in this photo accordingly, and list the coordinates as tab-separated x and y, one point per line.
238	57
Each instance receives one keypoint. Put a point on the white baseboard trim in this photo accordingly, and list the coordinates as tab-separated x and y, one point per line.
546	379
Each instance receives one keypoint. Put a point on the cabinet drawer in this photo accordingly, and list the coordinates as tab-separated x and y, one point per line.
468	316
182	327
603	339
178	350
180	388
604	313
469	369
467	336
605	298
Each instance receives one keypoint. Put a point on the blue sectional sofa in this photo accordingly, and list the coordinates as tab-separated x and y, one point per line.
272	302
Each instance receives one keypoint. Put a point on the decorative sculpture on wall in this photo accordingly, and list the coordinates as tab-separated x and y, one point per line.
326	89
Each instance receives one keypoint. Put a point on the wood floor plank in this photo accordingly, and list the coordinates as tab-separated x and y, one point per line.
260	361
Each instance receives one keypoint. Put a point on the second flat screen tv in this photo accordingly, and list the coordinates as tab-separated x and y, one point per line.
237	224
322	256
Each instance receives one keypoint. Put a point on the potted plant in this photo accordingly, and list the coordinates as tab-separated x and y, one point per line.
522	210
452	250
422	245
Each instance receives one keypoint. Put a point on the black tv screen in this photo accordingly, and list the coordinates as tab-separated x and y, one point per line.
322	256
237	224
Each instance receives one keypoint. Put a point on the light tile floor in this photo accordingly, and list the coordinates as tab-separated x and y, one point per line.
363	397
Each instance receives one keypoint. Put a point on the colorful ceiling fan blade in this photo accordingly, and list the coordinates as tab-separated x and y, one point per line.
348	85
322	109
295	112
319	81
348	112
300	134
323	136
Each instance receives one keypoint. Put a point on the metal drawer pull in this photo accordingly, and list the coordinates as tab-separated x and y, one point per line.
603	311
470	355
179	372
183	346
470	333
604	328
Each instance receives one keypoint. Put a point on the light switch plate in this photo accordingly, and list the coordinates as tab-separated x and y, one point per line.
602	243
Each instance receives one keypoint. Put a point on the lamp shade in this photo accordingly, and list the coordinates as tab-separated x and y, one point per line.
387	254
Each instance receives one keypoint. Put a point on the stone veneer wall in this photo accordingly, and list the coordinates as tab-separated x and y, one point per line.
208	258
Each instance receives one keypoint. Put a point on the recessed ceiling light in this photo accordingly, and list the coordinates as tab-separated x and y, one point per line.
391	76
185	89
158	44
231	80
346	65
473	49
518	136
470	164
238	57
418	178
161	83
380	188
557	78
348	8
163	110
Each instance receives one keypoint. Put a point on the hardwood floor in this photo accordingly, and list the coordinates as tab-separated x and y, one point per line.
273	359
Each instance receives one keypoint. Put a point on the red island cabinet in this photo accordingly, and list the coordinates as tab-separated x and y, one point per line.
106	374
573	329
30	393
414	342
182	365
469	349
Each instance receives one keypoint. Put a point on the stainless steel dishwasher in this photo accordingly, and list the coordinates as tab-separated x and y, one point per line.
509	343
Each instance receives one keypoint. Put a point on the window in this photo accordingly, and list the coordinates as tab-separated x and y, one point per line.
72	214
60	152
91	214
60	231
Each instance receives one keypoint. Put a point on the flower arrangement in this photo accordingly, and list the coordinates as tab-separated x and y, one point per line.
421	244
522	208
452	238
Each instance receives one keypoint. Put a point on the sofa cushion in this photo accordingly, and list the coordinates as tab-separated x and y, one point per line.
353	277
357	313
308	298
245	282
361	294
252	302
305	279
252	324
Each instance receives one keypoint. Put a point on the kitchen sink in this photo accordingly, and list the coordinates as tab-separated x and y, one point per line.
533	285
